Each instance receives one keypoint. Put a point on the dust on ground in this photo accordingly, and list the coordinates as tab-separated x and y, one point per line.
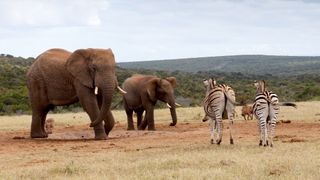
80	138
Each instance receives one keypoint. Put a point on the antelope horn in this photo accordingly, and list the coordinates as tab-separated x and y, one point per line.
121	90
96	90
177	104
168	105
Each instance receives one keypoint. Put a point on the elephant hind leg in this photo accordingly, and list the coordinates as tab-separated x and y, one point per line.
139	117
38	121
129	113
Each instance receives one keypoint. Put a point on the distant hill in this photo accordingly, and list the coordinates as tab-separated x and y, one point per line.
251	64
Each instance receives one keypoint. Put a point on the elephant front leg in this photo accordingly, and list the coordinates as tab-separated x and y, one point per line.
148	120
109	123
143	124
90	105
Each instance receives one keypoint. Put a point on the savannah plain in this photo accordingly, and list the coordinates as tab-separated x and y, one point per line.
180	152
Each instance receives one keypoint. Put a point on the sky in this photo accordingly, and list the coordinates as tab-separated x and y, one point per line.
139	30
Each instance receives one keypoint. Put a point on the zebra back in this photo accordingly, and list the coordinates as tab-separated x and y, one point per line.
216	94
264	97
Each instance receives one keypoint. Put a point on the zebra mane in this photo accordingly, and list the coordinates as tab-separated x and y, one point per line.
212	83
261	86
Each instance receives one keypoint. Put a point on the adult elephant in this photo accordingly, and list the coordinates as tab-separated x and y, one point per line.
59	77
142	95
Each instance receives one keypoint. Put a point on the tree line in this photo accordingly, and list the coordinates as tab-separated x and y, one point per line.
189	91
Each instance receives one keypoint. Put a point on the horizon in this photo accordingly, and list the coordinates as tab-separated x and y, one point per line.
181	58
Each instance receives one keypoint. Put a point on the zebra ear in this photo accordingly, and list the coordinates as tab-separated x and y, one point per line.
206	82
214	82
264	85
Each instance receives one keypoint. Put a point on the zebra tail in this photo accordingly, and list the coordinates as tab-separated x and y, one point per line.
230	99
289	104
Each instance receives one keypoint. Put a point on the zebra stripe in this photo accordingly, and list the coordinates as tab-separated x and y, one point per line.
266	109
219	99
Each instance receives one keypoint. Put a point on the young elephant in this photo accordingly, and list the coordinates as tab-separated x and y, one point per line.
142	95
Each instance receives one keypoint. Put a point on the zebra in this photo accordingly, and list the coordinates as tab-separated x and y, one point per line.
266	109
219	103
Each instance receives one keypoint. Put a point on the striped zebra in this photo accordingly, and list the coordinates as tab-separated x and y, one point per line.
266	109
218	103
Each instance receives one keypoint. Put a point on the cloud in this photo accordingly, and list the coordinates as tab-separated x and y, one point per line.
46	13
153	29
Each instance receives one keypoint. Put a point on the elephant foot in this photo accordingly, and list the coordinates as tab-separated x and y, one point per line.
151	129
130	128
100	135
39	135
141	128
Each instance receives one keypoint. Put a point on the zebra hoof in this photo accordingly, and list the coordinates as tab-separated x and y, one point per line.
212	141
218	142
260	143
271	145
267	143
231	141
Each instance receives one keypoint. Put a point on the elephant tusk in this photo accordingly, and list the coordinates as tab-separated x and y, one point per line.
96	90
177	104
121	90
168	105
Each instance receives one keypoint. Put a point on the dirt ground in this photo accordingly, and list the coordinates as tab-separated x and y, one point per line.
80	138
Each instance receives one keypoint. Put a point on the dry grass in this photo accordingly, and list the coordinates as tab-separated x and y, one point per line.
195	159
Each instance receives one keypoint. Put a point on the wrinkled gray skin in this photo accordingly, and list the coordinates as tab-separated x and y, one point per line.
142	95
59	77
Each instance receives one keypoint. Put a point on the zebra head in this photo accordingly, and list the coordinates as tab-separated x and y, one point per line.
260	86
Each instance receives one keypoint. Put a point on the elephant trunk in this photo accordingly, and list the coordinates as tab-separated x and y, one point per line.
107	88
173	113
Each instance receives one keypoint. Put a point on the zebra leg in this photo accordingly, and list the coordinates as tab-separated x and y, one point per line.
265	131
261	112
219	129
212	127
230	129
274	110
230	110
272	129
260	132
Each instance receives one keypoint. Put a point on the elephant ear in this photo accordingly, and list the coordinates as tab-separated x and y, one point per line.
152	87
78	65
172	81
